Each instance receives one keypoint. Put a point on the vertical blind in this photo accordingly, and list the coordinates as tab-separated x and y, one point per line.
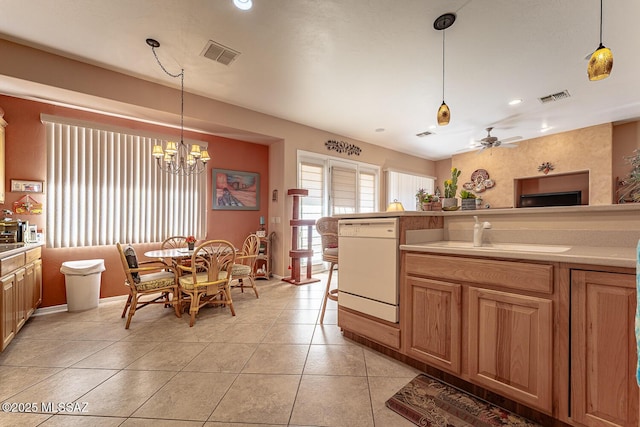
103	187
404	186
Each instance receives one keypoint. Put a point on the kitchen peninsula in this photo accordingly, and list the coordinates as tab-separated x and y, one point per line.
541	314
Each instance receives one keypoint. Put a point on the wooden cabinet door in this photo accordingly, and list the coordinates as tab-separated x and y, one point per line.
433	322
29	288
37	286
603	349
8	314
510	345
21	295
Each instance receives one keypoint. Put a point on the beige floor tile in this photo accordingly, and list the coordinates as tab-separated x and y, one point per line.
335	360
277	359
379	365
381	389
118	355
46	353
122	394
68	385
246	332
308	317
188	396
333	401
289	333
329	334
9	419
255	315
216	424
153	422
168	356
81	421
330	314
15	379
304	303
258	398
222	357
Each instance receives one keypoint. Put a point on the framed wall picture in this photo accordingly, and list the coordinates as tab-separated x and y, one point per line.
236	190
27	186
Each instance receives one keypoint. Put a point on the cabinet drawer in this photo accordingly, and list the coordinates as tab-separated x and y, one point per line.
508	274
8	264
32	255
368	328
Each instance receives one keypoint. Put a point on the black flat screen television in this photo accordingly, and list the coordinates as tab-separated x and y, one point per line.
566	198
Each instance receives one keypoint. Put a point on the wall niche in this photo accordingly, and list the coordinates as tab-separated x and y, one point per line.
553	184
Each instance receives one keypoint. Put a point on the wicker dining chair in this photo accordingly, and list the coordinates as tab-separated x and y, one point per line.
242	271
160	282
208	283
327	227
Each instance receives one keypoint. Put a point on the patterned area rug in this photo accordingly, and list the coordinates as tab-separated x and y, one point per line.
426	401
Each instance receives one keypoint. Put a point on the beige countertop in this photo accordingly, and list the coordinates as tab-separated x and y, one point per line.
9	249
604	255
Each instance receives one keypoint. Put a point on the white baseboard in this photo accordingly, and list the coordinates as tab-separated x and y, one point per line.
43	311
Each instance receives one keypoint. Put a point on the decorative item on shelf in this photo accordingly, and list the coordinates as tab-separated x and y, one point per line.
601	61
449	202
395	206
27	205
545	167
261	232
343	147
479	181
629	188
468	200
442	23
178	159
191	241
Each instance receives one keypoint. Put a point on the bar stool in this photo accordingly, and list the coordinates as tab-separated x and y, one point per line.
327	227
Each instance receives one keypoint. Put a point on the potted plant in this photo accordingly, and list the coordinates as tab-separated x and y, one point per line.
450	188
468	200
191	241
422	197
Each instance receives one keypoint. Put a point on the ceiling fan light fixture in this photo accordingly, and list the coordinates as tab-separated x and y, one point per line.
444	114
243	4
601	61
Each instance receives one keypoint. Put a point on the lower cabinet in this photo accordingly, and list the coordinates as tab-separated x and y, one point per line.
21	291
603	362
510	345
434	321
8	325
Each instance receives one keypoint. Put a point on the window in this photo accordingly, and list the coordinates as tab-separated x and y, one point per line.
103	187
404	186
335	187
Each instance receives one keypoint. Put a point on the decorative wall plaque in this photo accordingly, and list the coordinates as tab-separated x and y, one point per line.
342	147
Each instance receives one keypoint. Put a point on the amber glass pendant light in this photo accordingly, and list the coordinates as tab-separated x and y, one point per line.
441	23
601	61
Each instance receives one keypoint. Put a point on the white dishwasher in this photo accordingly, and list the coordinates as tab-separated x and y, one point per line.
369	266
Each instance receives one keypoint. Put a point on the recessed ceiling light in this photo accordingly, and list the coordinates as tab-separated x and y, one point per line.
515	101
243	4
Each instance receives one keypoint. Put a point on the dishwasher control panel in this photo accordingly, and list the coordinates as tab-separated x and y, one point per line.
386	228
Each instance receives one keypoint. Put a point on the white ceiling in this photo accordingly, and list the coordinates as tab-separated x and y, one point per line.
353	66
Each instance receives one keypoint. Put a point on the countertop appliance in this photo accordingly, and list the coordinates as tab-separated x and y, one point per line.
369	266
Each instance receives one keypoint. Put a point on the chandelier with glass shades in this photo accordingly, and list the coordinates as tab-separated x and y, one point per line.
178	158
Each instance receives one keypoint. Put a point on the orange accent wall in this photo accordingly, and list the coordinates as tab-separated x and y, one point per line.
26	160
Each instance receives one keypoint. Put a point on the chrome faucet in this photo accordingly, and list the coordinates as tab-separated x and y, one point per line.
478	229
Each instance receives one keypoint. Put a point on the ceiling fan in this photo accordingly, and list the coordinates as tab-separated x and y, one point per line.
493	141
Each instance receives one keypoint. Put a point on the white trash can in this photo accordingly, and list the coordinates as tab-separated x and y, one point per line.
82	282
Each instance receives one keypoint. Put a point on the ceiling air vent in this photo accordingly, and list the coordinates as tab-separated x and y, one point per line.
423	134
219	53
555	97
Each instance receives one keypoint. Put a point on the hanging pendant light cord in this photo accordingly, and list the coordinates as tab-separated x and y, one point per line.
181	75
600	22
442	65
